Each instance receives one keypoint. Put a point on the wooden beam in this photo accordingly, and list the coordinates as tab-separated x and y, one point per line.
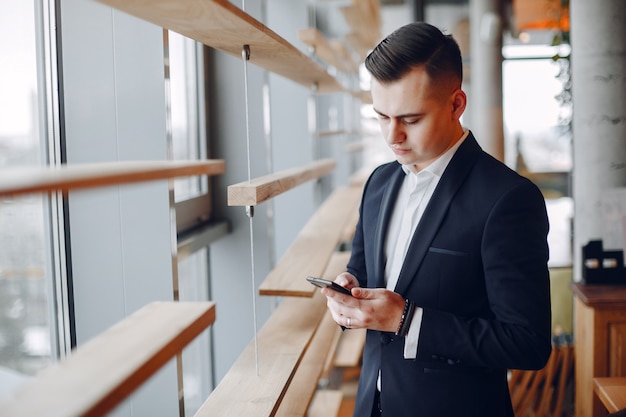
223	26
281	345
313	247
27	180
263	188
104	371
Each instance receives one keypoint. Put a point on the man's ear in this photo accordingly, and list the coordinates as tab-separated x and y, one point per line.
459	102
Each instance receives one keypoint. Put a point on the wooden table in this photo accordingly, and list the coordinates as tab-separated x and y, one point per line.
612	392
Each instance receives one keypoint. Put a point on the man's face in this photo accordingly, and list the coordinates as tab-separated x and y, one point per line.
418	120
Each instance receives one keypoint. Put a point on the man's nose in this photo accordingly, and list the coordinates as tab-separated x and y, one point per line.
396	133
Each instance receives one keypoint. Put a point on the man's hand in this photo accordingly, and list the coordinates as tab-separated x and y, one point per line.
371	308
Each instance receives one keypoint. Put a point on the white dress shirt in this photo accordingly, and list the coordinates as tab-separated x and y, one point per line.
413	197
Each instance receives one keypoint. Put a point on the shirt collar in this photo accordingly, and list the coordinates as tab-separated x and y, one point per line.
439	165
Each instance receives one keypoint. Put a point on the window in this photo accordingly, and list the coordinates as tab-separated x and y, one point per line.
187	125
538	138
28	225
197	374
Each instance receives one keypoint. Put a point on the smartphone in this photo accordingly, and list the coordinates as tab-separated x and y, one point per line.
323	283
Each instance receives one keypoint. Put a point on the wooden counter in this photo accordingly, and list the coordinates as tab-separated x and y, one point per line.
612	393
600	339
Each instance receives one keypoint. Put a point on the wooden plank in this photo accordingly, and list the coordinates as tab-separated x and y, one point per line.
304	383
335	266
281	345
359	178
325	50
313	246
341	50
258	190
363	16
326	403
612	392
365	96
350	348
223	26
104	371
350	228
26	180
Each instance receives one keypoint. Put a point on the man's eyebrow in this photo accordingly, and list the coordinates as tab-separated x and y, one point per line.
400	116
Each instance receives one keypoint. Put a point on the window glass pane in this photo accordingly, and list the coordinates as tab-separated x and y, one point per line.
538	138
186	110
25	273
193	286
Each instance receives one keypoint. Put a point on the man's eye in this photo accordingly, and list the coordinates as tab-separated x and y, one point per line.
411	121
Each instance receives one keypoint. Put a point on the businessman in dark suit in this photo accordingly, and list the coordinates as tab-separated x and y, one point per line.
449	260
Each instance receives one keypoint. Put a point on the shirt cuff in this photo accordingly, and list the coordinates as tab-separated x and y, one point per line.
412	337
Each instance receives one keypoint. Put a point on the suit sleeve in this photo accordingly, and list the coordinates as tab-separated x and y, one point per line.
514	254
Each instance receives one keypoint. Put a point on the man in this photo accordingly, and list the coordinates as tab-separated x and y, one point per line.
449	260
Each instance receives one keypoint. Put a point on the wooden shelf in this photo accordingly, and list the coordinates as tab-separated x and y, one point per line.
103	372
363	17
364	96
281	342
326	50
314	245
350	349
326	403
294	346
304	383
23	180
223	26
264	188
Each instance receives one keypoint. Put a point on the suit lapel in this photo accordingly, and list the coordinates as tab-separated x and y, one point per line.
451	180
387	203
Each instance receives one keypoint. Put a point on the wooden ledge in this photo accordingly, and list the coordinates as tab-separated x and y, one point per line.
223	26
314	245
350	349
600	296
326	403
264	188
304	383
612	392
294	346
104	371
26	180
281	343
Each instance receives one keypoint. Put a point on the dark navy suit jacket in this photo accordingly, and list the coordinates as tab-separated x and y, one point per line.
477	265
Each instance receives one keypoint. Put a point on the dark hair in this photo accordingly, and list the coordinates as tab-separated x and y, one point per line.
414	45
